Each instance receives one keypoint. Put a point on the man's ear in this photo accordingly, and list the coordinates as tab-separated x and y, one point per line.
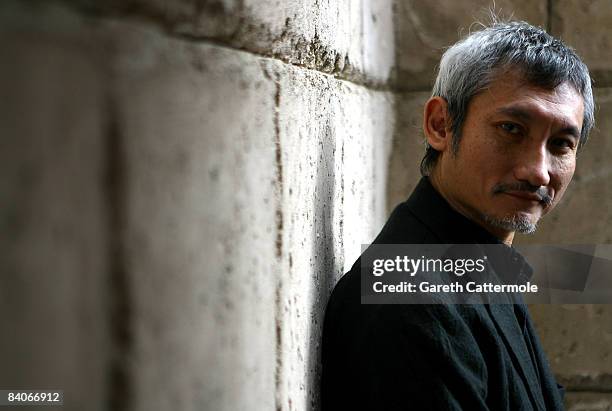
436	123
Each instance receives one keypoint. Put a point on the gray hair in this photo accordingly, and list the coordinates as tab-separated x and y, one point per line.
470	65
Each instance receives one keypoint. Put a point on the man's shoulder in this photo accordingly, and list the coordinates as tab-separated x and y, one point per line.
405	227
402	227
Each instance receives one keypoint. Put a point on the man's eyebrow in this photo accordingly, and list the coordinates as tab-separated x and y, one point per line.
525	115
515	112
571	130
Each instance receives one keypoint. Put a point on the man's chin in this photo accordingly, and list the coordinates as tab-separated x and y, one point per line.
519	222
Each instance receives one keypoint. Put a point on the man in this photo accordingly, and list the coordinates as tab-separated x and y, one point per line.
511	105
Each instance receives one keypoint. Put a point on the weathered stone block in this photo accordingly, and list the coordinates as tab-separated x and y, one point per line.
586	26
586	401
335	141
198	136
424	29
54	219
578	342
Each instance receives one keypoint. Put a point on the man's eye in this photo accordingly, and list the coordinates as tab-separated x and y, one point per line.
562	143
511	128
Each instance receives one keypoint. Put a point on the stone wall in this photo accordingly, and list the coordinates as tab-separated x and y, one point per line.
178	181
577	338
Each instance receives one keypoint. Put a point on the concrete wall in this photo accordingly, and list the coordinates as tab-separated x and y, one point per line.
178	181
577	338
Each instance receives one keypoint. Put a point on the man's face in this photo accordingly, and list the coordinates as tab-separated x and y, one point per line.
517	154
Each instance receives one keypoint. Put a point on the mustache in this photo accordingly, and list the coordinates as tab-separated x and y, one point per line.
540	191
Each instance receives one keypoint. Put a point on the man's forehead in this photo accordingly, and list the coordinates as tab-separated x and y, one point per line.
511	94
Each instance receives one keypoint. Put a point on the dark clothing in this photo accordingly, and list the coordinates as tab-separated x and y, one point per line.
433	357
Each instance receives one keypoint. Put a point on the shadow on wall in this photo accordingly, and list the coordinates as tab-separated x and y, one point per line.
328	264
312	257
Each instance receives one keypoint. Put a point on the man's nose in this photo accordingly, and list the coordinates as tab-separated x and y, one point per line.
533	167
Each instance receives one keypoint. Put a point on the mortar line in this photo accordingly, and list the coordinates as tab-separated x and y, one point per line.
594	390
147	20
386	87
278	320
220	43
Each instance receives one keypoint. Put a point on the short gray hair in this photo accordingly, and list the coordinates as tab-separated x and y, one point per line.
470	65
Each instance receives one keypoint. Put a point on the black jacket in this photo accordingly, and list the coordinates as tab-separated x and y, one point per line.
432	357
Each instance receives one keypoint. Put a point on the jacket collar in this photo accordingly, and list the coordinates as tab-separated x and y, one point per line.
449	225
452	227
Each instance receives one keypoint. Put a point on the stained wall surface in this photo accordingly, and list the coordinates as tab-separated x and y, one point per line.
182	186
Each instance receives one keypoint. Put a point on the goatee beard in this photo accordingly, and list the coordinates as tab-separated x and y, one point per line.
512	223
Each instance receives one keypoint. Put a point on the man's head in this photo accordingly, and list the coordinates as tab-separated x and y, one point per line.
510	107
